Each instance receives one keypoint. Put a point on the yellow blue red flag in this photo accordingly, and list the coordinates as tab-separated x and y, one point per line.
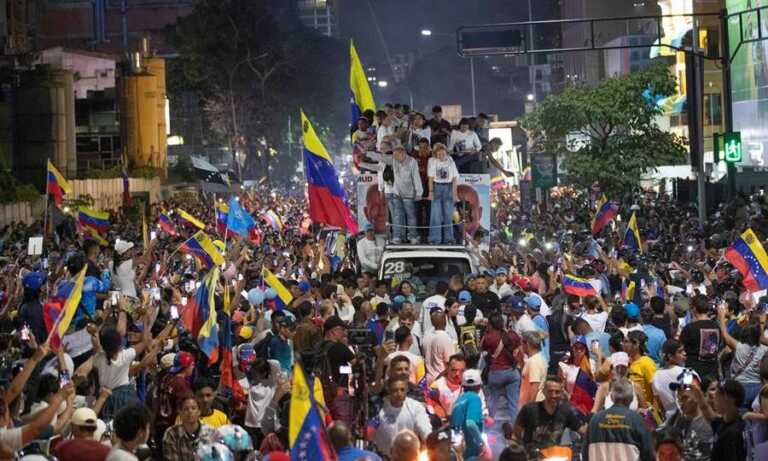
189	220
201	247
361	97
208	336
56	184
284	297
307	438
632	236
68	311
748	256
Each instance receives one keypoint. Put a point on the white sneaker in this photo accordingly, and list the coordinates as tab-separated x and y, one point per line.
415	241
397	241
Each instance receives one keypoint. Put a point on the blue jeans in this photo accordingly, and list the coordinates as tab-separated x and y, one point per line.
441	216
404	218
503	384
750	392
390	199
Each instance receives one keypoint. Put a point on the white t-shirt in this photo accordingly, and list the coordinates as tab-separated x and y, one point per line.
12	438
596	321
464	142
442	171
438	349
260	395
119	454
660	384
114	374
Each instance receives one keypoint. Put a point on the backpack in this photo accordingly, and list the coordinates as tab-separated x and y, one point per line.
261	348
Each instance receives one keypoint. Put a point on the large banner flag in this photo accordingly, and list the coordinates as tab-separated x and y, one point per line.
361	98
578	286
56	185
328	202
307	438
606	211
632	236
284	297
201	247
748	256
208	336
64	319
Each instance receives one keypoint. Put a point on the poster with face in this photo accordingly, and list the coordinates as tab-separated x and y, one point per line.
371	207
474	199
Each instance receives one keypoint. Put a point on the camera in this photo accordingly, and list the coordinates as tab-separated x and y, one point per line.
361	337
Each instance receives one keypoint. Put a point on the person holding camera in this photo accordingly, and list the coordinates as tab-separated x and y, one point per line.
689	421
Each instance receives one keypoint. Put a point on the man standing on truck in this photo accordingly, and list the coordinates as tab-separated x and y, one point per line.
368	252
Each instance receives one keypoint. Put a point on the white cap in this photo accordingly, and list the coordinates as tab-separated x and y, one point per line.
167	360
471	378
619	358
121	246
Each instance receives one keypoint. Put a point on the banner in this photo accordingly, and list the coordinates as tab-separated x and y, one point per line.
371	207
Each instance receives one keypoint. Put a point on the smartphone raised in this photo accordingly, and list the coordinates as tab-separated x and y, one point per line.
64	378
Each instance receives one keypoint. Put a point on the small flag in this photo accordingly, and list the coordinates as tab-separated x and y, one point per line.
208	336
606	211
498	182
68	311
201	247
189	220
96	220
748	256
271	218
284	297
578	286
239	221
632	236
56	185
166	224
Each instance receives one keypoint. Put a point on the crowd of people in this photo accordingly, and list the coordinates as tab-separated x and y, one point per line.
658	354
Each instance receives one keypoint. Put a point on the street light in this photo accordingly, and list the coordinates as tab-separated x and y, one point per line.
531	96
383	83
426	32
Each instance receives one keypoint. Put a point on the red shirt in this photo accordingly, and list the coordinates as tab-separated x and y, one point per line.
81	450
504	360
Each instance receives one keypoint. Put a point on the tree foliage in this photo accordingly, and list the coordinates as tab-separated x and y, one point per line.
617	120
252	67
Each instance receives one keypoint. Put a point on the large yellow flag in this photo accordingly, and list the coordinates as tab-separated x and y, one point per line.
362	98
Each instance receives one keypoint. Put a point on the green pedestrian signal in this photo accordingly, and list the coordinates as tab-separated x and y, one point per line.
732	146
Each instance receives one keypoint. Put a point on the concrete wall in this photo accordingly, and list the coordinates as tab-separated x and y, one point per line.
107	195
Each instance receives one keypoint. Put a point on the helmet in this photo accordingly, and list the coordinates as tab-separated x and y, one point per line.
234	437
213	452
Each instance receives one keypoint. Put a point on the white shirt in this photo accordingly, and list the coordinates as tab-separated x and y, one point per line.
384	131
442	171
114	374
596	321
660	384
124	278
260	395
502	290
119	454
524	323
369	254
411	415
438	349
464	141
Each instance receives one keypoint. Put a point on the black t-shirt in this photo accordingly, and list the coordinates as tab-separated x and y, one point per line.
559	323
339	355
702	343
93	270
543	430
487	302
729	440
434	125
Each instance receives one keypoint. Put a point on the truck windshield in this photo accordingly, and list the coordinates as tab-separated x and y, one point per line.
424	273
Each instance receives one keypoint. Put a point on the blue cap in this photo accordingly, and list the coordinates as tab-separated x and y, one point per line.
534	302
501	271
368	227
304	286
514	302
398	301
489	273
465	296
34	280
580	339
633	310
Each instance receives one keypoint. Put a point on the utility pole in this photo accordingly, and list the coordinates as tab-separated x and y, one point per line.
727	99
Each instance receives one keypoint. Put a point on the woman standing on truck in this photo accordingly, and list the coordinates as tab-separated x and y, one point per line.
443	178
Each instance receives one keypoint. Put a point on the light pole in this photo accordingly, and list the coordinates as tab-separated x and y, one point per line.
429	33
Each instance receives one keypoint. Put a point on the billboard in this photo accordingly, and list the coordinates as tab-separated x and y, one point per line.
474	192
749	79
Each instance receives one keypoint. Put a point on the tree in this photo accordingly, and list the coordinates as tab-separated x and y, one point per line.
251	70
617	121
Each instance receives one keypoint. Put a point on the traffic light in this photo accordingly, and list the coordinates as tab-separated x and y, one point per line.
732	146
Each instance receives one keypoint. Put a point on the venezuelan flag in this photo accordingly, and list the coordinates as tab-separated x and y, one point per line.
606	211
306	431
70	307
57	185
189	220
208	336
632	236
627	290
227	372
166	224
96	220
201	246
328	202
362	98
284	297
748	256
222	212
578	286
93	234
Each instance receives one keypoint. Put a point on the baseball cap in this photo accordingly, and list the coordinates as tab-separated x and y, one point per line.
167	360
304	286
465	296
619	358
246	353
84	417
333	322
534	302
489	273
34	280
471	378
398	301
368	227
121	246
435	310
524	283
580	339
245	332
501	271
514	302
182	361
287	322
632	309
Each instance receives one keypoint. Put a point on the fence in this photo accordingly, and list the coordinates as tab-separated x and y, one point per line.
106	193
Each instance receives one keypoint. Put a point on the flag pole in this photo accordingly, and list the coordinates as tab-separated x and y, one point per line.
45	214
